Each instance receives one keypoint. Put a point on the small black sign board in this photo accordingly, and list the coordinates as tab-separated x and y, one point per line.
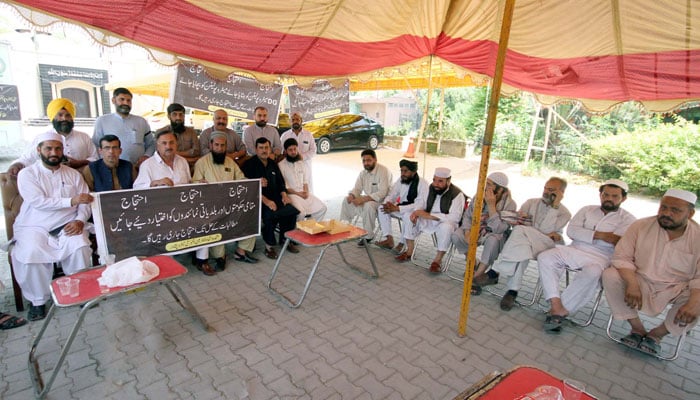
321	100
9	103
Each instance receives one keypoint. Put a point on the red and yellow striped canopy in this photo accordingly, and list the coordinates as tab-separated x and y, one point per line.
600	52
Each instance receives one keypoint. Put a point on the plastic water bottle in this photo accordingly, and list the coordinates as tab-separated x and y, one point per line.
544	392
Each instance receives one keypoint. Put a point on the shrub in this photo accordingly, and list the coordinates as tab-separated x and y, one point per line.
650	158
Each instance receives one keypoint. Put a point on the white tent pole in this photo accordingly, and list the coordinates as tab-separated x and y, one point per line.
483	167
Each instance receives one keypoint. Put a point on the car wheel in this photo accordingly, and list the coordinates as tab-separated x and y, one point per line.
323	146
373	142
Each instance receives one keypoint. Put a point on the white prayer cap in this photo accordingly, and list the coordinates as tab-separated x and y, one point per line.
442	172
616	182
690	197
48	136
499	178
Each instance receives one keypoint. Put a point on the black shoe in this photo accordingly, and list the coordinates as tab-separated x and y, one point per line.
220	264
244	258
361	242
36	313
508	301
250	255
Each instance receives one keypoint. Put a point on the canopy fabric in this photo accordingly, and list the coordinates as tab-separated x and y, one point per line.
600	52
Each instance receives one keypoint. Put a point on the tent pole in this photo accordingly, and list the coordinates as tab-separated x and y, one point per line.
483	167
412	154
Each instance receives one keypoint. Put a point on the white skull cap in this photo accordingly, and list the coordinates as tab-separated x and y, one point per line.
690	197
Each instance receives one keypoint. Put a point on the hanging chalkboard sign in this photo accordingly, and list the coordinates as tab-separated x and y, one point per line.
178	219
9	103
237	95
321	100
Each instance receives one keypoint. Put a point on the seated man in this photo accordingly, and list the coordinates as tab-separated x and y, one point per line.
541	223
493	228
78	148
295	177
371	187
277	208
440	214
50	226
407	193
656	263
216	166
166	167
110	172
595	231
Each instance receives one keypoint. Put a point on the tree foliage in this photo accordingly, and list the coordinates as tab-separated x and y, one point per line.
650	158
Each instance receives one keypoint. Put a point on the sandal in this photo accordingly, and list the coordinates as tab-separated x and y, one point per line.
476	290
8	321
553	323
649	346
632	340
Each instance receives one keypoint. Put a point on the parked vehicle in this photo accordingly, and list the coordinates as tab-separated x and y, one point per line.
346	131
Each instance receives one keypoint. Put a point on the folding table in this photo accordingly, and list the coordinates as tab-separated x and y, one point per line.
515	384
324	240
90	294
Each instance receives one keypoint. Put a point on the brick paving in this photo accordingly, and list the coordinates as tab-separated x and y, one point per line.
394	337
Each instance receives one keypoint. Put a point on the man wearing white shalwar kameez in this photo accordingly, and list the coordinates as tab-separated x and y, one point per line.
295	176
657	263
440	214
595	230
407	193
306	146
50	226
544	220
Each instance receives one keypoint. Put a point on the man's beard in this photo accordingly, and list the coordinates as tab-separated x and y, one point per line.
218	158
63	126
123	109
177	126
261	123
296	127
369	168
609	206
49	162
407	180
293	159
668	223
439	191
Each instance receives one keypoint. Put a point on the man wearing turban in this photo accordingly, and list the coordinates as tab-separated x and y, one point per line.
407	193
78	147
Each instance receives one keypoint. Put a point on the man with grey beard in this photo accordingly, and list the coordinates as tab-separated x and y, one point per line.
235	149
133	131
79	149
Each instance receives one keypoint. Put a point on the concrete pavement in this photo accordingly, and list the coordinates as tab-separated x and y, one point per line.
394	337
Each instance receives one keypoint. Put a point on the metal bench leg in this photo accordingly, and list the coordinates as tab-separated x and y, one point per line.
659	356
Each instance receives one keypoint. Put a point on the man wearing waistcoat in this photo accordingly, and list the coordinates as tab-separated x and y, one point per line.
109	172
440	214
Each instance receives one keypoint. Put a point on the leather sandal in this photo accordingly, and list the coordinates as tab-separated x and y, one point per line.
403	257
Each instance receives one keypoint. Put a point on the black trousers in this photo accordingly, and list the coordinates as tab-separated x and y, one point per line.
285	216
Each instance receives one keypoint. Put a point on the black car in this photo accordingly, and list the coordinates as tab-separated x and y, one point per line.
345	131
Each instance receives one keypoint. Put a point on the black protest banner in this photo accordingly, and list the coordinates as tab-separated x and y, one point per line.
9	103
321	100
237	95
176	219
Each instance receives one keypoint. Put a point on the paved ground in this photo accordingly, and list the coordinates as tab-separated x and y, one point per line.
394	337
